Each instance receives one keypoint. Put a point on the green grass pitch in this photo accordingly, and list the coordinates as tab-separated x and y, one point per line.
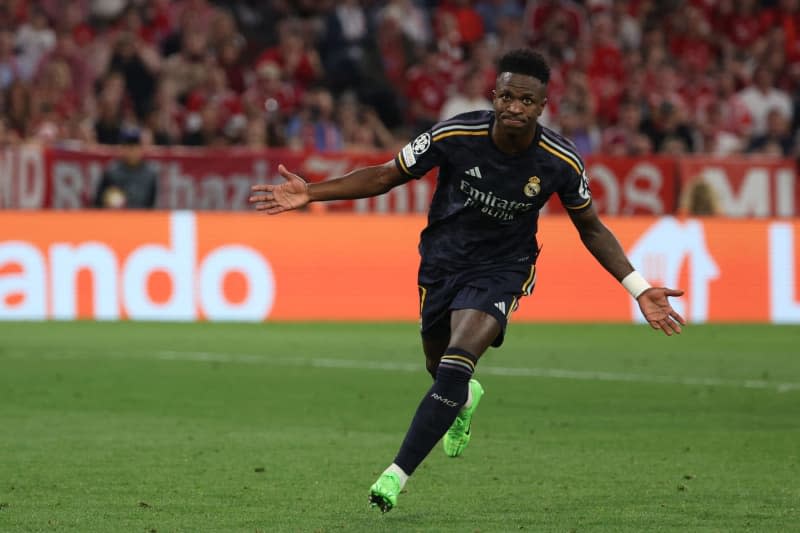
144	427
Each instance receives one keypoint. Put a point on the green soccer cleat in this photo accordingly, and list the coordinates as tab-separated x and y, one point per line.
383	493
457	437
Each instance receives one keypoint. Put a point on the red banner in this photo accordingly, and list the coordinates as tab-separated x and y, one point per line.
219	179
745	186
631	186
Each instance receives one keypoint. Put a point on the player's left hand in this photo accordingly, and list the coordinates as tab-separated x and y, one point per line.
657	310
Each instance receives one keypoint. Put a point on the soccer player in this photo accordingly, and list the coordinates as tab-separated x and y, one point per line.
478	251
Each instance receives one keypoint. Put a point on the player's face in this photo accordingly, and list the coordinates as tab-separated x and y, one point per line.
518	101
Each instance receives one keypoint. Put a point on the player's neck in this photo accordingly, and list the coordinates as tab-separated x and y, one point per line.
512	143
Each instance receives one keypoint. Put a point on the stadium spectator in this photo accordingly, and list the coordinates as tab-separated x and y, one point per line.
493	11
33	40
478	252
733	113
426	89
470	95
624	138
629	28
111	106
8	136
623	50
668	130
55	100
314	127
231	59
18	108
468	21
714	135
413	21
300	62
66	51
690	43
188	68
540	13
140	64
9	66
362	128
271	94
699	199
203	12
396	51
742	24
777	140
575	124
106	11
129	181
163	119
763	96
344	45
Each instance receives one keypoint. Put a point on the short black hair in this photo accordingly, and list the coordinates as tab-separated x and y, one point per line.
526	62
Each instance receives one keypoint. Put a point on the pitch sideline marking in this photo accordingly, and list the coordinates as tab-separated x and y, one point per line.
555	373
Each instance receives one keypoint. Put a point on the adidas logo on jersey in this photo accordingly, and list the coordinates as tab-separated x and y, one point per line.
475	172
501	306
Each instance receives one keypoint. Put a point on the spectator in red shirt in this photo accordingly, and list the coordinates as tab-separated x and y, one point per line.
230	59
468	21
691	44
270	94
605	70
82	77
538	12
299	61
743	27
426	90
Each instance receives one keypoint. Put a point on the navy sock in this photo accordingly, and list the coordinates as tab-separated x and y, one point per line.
438	408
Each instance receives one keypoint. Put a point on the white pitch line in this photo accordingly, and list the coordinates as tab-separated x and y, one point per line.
554	373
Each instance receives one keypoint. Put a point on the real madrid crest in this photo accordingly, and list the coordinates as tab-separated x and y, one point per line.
533	187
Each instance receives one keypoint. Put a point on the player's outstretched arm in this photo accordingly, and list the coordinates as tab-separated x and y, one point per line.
297	192
603	245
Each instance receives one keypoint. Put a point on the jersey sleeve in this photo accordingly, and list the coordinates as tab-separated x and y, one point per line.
574	192
419	156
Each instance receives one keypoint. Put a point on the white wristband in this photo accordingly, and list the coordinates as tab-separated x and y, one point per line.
635	283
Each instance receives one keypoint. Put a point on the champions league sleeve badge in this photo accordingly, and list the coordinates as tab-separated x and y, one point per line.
416	147
421	143
533	187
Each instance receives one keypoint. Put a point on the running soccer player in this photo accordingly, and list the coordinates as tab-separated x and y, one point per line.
478	251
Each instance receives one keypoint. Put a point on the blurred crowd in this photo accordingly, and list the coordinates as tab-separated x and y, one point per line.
630	77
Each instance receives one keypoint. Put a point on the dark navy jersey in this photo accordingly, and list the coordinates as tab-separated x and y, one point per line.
486	204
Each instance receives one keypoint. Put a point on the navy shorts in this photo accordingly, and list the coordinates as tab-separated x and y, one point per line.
493	291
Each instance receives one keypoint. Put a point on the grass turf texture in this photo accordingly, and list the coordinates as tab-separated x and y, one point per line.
283	427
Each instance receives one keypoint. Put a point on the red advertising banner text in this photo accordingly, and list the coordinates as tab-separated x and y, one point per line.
33	177
745	186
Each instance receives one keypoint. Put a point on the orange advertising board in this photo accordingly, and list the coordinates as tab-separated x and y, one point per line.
184	265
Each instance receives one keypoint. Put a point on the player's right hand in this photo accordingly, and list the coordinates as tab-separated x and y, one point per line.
276	199
657	310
